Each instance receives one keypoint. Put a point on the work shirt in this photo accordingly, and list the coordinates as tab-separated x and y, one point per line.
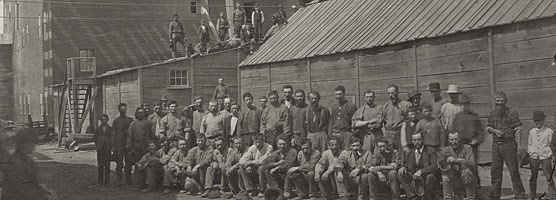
408	129
433	132
465	152
165	157
275	119
256	154
307	162
212	125
287	103
222	23
341	116
199	156
150	159
234	157
394	114
250	120
139	133
221	156
173	125
239	16
121	127
102	138
540	143
154	119
297	116
318	119
197	118
386	158
367	113
327	161
203	33
175	27
506	120
448	113
178	158
288	155
21	179
257	17
353	159
469	126
437	107
221	92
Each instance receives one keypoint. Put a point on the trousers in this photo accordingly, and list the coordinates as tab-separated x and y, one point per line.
103	161
505	153
546	165
375	185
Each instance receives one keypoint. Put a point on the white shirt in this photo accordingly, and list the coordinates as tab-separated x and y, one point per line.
233	125
418	153
539	143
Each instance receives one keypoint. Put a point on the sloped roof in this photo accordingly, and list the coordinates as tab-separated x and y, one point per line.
337	26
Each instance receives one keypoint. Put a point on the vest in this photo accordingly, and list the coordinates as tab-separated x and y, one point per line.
258	16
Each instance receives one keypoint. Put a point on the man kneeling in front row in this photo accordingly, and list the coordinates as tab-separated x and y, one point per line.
457	166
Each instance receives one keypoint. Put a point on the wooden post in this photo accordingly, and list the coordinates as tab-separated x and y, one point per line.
357	79
192	81
140	83
269	79
238	61
415	80
491	65
309	75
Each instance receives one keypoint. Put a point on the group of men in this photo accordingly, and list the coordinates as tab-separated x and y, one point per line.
402	149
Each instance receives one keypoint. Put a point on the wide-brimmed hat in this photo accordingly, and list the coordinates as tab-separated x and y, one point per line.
538	115
434	86
413	93
164	98
453	89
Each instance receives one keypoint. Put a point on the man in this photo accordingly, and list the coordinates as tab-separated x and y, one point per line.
394	115
232	127
277	164
470	129
251	165
227	107
121	129
303	176
298	114
383	169
325	174
437	99
154	119
450	109
164	102
176	32
457	165
418	170
318	121
288	99
257	17
198	114
541	138
504	125
138	138
409	128
414	98
275	119
174	171
216	170
233	165
342	112
264	102
221	91
250	119
148	168
204	36
212	124
353	171
103	144
223	26
248	39
198	160
147	108
367	121
239	20
433	133
281	14
172	125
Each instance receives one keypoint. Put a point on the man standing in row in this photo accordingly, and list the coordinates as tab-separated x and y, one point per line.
450	109
275	119
394	115
298	114
139	136
249	119
221	92
121	129
288	99
318	121
154	119
212	124
438	101
239	20
342	112
172	125
367	121
257	17
223	26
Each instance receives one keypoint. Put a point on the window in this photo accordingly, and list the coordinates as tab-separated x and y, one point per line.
39	25
86	62
193	7
178	78
20	105
28	104
41	103
27	34
45	103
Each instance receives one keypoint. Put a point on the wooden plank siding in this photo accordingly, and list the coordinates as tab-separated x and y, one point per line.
517	60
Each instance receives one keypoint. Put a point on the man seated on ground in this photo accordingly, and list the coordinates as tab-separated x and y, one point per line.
303	176
198	160
383	170
277	164
352	163
326	167
215	172
419	168
251	165
149	168
233	166
457	166
174	171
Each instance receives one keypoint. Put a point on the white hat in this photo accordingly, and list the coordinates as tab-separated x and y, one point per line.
453	89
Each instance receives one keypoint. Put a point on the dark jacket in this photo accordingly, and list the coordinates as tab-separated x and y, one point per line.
427	163
103	139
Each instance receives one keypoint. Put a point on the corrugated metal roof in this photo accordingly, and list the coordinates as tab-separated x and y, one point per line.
337	26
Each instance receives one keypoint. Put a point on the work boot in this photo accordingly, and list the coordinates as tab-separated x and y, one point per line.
166	191
206	193
148	189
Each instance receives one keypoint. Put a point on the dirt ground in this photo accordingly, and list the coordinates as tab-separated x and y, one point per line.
73	176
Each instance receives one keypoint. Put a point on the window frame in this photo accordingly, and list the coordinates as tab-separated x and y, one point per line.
193	7
84	61
169	78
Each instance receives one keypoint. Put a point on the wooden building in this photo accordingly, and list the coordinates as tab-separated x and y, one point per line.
484	46
179	79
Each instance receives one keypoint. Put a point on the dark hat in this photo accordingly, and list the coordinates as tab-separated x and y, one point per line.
538	115
164	98
413	93
434	86
463	98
